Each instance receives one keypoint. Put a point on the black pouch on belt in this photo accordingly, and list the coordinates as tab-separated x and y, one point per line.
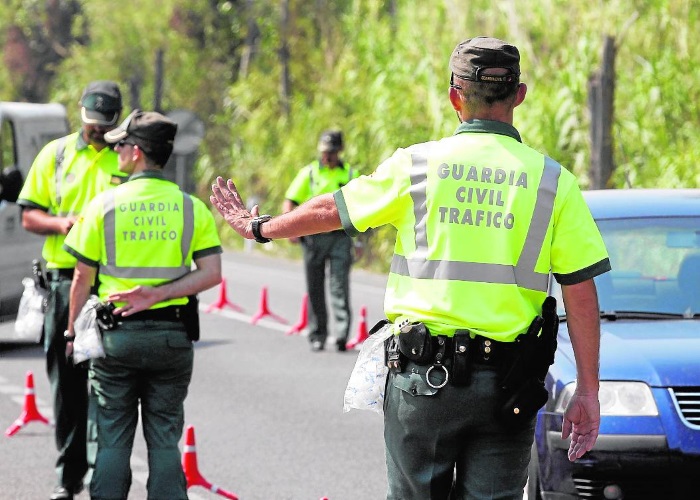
461	366
416	343
190	317
523	404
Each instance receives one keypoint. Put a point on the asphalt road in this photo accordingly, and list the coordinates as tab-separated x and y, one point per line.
267	412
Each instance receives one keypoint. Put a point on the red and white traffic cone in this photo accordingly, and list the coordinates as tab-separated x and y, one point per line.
189	466
263	310
303	317
30	412
223	301
361	330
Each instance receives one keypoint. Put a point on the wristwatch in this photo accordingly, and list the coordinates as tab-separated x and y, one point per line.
67	335
255	227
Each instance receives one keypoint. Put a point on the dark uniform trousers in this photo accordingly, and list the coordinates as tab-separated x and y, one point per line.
336	249
147	362
428	431
68	387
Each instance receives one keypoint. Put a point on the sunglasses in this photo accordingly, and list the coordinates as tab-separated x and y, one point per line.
123	143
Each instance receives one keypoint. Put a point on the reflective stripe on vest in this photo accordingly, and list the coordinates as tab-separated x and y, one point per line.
522	274
167	273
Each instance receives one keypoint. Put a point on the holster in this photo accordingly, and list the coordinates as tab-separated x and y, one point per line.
522	385
416	343
190	317
523	403
461	364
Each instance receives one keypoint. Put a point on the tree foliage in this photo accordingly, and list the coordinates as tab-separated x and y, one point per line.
268	76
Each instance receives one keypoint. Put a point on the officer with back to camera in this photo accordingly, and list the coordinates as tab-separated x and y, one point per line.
482	220
143	238
66	174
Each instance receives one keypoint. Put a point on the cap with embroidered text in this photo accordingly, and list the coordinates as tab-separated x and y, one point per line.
471	57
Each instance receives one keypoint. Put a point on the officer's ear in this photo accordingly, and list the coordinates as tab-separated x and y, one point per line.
520	95
456	99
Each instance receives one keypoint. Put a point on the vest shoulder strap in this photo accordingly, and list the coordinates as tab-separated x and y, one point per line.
58	169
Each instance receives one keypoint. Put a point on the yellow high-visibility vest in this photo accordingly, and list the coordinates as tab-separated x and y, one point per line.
144	232
482	220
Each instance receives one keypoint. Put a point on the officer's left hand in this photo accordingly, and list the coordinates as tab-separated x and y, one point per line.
137	299
228	202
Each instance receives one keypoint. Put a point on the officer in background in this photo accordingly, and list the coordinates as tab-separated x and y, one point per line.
325	175
143	238
65	176
482	220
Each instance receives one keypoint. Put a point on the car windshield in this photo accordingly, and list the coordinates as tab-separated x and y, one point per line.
655	268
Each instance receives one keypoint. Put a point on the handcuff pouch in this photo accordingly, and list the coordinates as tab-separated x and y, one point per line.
415	342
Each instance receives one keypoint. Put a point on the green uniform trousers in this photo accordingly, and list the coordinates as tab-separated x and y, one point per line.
147	363
69	389
442	442
335	249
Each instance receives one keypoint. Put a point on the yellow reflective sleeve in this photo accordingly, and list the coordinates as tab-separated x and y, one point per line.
382	197
38	187
576	242
205	234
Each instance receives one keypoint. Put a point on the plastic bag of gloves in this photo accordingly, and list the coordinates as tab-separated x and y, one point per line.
365	390
29	324
88	337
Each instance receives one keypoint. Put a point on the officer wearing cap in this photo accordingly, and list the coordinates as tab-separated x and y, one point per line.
325	175
143	238
65	176
482	221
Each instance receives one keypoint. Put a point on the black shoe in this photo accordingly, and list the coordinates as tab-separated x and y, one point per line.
61	493
317	345
341	346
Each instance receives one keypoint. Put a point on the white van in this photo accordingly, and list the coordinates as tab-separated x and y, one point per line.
25	128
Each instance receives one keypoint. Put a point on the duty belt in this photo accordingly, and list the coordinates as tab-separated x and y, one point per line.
170	313
483	350
59	274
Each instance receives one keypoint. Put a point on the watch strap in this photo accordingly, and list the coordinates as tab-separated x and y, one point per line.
255	228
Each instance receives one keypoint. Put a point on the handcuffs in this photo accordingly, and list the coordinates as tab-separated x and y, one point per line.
438	363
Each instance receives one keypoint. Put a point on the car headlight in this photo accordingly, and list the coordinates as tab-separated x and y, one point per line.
630	399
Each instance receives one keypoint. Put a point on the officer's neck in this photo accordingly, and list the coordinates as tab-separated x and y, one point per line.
496	114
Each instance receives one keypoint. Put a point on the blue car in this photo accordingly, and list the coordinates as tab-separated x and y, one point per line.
649	442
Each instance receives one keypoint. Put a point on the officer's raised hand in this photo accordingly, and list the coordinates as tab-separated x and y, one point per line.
228	202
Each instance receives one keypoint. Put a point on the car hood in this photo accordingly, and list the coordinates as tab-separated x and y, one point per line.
661	353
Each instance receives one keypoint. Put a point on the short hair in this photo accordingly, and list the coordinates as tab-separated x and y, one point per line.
481	94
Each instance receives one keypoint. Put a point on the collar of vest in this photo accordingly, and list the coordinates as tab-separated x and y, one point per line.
148	174
80	142
341	164
488	127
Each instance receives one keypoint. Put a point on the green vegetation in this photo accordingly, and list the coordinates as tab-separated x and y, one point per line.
267	76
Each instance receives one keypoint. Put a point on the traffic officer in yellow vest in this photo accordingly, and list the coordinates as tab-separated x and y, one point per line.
325	175
142	237
65	176
482	220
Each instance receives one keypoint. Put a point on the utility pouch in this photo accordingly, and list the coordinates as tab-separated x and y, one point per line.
416	343
523	404
190	317
104	317
461	364
393	355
